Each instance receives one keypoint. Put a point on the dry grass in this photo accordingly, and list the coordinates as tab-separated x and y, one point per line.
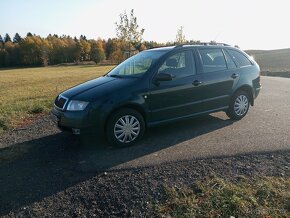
257	197
30	91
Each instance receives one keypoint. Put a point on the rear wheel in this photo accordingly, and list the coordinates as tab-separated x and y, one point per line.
239	105
125	127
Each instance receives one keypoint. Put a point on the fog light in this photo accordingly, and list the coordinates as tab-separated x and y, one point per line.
76	131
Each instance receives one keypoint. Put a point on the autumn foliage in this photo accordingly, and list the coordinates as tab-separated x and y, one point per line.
34	50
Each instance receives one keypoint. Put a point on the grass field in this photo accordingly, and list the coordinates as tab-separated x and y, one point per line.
30	91
218	197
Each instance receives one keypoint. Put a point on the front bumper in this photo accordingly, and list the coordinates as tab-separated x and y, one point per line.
257	91
73	121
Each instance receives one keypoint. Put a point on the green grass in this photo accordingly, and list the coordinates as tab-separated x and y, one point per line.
272	60
30	91
217	197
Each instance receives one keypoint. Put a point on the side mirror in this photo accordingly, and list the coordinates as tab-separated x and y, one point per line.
163	77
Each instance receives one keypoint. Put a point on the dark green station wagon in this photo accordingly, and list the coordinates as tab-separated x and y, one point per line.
158	86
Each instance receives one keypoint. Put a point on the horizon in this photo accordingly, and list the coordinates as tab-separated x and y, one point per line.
246	24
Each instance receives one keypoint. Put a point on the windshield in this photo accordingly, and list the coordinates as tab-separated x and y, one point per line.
136	65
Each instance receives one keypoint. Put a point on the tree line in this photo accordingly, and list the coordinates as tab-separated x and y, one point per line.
33	50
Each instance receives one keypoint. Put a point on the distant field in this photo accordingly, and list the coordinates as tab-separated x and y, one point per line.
272	60
26	92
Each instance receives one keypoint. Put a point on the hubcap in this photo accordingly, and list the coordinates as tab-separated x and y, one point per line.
241	105
127	129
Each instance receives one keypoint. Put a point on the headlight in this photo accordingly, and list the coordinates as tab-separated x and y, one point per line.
77	105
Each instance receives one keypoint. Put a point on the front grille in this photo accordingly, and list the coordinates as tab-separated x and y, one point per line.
60	102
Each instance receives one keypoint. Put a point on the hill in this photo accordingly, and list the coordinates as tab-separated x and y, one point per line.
275	61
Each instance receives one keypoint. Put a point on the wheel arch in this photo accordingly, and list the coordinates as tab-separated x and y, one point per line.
132	106
248	89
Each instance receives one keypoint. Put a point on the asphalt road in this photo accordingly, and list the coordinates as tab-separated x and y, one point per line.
265	128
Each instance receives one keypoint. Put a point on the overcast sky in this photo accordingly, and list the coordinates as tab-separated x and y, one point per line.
251	24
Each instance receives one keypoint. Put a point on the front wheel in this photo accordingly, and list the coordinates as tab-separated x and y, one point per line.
239	105
125	127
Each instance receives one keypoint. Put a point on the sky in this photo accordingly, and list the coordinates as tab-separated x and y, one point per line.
251	24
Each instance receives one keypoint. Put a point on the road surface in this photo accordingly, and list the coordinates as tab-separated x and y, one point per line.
265	128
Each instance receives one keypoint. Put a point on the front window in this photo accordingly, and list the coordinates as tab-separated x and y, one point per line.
179	65
137	65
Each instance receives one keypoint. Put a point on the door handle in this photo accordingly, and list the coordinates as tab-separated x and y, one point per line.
235	75
196	83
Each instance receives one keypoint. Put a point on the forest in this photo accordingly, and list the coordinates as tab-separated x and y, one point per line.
34	50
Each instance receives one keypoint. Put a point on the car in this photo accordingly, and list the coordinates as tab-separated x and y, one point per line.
158	86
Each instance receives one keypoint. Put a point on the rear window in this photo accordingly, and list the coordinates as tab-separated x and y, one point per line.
212	60
240	58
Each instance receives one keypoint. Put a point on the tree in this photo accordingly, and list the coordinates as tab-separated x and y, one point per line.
180	37
29	34
32	51
1	42
85	47
12	54
83	37
114	49
7	38
141	47
3	54
97	51
128	29
17	38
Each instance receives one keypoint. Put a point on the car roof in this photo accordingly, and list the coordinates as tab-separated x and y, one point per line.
202	45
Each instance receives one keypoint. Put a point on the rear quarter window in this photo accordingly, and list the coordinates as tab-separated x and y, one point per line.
240	58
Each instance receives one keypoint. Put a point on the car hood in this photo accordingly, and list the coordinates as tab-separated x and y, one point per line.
93	89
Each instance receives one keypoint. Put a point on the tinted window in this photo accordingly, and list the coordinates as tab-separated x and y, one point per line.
230	62
179	65
212	59
240	58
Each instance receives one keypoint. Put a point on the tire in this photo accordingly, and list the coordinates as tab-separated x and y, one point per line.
239	105
125	127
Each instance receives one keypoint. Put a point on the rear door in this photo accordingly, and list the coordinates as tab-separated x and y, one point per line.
218	71
182	95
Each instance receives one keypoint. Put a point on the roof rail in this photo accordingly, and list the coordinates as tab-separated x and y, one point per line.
203	43
214	43
179	46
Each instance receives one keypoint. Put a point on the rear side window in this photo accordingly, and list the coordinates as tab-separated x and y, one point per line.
212	60
240	58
